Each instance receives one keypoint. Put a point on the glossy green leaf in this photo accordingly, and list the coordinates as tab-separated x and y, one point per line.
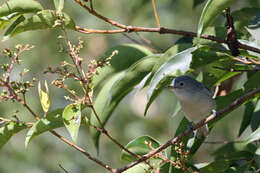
255	34
178	63
52	121
242	17
99	104
127	55
116	88
252	82
197	2
235	150
241	169
9	130
226	76
72	120
166	81
140	146
20	6
255	136
205	55
171	52
216	167
59	5
255	121
181	128
211	11
5	20
247	116
140	168
223	101
46	19
12	27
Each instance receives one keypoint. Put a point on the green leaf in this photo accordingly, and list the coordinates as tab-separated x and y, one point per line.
140	146
205	56
181	128
20	6
116	88
46	19
13	26
59	4
255	121
255	136
197	2
164	82
241	169
242	17
247	116
255	34
226	76
72	119
7	19
177	63
223	101
128	54
9	130
52	121
171	52
211	11
234	150
140	168
217	166
252	82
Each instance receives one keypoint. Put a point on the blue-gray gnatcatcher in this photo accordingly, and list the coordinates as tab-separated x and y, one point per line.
196	100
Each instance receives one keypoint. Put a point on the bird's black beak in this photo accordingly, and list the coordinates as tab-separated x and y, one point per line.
170	87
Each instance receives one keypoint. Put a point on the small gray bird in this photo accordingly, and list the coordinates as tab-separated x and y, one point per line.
196	100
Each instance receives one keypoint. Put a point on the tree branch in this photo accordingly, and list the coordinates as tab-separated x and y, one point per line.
231	41
231	35
210	118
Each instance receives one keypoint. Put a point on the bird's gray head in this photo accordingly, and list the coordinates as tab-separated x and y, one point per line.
186	87
186	83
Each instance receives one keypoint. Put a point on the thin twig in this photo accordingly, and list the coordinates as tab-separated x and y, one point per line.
63	168
216	91
156	14
246	61
210	118
6	120
91	5
246	47
160	30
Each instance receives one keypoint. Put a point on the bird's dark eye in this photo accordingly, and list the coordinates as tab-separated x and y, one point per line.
181	83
